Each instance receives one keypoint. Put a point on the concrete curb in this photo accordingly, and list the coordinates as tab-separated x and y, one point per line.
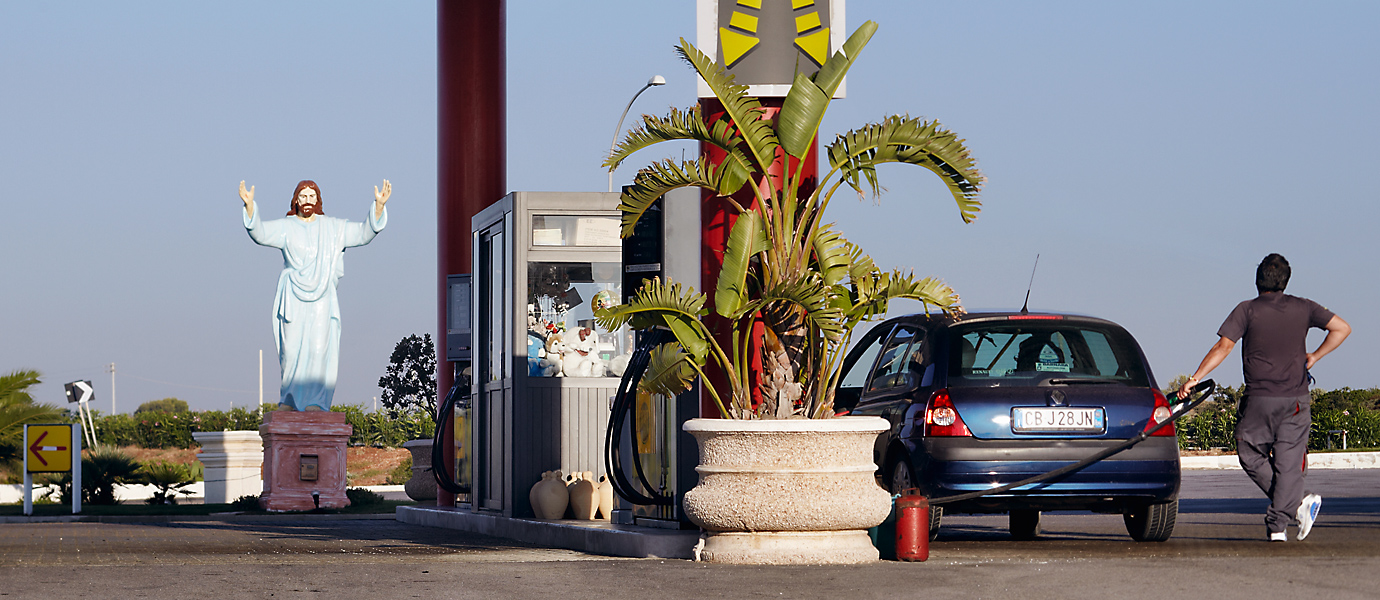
1328	460
595	537
227	517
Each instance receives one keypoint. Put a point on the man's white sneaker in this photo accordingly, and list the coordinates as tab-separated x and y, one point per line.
1279	536
1308	512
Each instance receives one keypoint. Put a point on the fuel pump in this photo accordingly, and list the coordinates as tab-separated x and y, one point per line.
455	409
650	460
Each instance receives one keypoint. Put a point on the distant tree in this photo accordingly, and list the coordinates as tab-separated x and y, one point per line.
410	381
166	405
17	408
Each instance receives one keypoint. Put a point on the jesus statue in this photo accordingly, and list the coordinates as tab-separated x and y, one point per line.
306	314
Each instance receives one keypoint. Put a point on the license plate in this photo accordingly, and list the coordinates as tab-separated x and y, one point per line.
1045	420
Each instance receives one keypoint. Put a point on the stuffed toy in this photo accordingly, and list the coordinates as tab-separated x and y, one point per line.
552	365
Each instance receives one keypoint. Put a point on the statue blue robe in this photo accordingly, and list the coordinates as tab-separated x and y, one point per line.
306	313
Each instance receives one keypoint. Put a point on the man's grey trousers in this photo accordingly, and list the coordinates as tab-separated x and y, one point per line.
1272	444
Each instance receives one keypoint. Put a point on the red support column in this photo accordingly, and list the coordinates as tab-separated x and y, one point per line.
470	150
716	222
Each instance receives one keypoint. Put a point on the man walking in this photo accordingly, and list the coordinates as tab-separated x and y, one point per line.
1274	418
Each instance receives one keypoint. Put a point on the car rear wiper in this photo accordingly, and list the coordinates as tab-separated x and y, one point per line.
1079	380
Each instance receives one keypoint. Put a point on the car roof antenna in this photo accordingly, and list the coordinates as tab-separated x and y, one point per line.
1024	309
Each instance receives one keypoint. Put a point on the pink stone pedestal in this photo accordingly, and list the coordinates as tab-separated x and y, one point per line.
287	436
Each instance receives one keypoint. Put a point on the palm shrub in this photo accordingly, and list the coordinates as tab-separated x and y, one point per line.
17	408
784	267
101	470
170	478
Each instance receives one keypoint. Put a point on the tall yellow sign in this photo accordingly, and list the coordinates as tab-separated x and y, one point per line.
762	43
49	449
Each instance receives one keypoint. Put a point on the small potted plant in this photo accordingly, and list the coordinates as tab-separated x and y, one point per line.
782	480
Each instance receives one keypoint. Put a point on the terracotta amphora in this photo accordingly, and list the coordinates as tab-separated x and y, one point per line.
605	498
584	498
549	496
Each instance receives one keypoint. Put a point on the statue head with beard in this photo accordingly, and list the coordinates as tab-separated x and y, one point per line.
306	200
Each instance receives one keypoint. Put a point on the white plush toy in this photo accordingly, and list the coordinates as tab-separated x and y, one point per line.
581	356
552	365
619	364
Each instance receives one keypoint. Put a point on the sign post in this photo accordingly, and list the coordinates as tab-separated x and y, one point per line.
81	392
52	448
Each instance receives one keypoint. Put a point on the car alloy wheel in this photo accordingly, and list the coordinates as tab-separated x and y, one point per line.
1152	523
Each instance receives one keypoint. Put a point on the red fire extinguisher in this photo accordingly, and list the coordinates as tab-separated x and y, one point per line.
912	526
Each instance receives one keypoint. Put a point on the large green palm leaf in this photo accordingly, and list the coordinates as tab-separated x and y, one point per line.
743	110
654	181
803	109
907	140
685	125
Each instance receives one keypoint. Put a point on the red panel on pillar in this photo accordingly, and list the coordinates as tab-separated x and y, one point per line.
716	221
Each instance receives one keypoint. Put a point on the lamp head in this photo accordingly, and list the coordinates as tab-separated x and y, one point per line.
656	80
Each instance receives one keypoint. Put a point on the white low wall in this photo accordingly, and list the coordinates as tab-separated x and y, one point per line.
1326	460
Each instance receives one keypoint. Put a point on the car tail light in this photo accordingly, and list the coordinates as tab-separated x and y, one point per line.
942	419
1162	413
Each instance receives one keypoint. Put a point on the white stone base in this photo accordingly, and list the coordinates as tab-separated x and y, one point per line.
233	462
788	548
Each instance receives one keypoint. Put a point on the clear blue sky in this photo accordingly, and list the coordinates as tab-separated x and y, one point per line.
1151	153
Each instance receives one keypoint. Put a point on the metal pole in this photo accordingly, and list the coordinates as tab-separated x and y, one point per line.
113	410
76	469
28	477
261	377
655	80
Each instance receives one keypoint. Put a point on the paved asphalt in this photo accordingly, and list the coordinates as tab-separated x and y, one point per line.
1217	552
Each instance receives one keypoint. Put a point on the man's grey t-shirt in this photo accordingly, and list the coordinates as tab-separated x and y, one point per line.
1274	356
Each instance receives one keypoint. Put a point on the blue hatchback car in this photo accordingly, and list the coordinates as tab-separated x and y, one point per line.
988	399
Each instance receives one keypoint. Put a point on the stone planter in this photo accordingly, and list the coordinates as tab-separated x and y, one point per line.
422	485
793	491
232	464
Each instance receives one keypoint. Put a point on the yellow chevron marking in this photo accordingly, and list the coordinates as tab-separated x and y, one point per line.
799	4
757	4
744	22
736	45
815	45
807	22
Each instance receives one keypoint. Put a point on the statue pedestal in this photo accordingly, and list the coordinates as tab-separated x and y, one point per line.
304	452
233	461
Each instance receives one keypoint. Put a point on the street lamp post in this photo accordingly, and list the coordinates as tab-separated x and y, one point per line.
654	81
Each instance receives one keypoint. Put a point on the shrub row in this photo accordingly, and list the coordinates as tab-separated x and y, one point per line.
174	430
1215	429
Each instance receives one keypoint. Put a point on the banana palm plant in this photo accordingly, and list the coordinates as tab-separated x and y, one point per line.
783	266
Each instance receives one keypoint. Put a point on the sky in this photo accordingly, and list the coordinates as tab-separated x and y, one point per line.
1150	153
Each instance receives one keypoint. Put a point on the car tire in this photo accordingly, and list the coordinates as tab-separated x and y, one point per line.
1152	522
1025	524
900	478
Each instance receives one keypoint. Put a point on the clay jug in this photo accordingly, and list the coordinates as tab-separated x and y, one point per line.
605	498
551	496
584	499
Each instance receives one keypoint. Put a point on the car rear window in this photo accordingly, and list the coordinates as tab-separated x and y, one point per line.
1026	352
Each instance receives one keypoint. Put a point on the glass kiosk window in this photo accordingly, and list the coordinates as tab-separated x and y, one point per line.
563	339
566	230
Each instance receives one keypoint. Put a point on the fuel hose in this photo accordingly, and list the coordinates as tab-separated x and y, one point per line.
445	477
1206	388
623	403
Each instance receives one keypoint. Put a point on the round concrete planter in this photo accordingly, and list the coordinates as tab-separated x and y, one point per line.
792	491
422	485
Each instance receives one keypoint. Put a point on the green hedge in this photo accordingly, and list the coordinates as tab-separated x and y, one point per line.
174	430
1213	424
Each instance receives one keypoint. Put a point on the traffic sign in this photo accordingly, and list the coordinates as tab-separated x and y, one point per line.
49	448
79	391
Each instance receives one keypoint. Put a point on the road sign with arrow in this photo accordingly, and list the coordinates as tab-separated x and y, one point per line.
79	391
49	449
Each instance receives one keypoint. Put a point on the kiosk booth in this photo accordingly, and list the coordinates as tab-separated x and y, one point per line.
544	371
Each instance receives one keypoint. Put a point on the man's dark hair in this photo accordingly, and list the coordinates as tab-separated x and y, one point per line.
1272	275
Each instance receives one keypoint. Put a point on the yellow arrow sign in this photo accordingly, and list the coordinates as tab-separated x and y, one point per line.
49	448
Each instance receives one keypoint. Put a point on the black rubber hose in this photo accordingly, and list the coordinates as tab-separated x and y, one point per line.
1209	385
623	402
438	445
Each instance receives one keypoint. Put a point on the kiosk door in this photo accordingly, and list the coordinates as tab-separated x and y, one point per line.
493	381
